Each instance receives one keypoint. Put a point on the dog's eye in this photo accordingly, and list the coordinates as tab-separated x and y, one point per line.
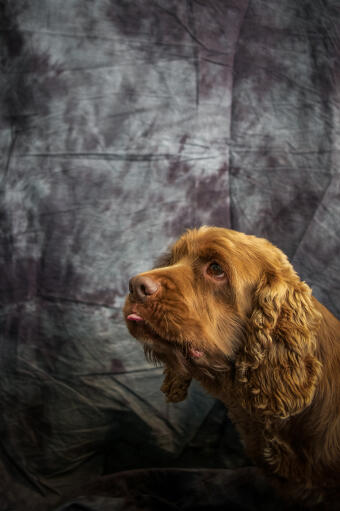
215	270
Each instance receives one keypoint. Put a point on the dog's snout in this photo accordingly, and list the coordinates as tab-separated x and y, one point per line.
141	287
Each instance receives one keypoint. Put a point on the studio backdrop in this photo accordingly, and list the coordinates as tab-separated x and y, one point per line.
123	123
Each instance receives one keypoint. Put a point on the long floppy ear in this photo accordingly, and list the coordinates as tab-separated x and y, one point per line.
277	367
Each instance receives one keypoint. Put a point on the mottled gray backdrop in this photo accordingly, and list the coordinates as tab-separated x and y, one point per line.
123	122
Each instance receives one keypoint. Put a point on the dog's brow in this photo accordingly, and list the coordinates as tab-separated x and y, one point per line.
209	254
163	260
180	250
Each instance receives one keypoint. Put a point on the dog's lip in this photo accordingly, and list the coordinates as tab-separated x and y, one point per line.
137	318
134	317
195	353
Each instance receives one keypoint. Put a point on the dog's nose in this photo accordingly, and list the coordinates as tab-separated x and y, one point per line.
141	287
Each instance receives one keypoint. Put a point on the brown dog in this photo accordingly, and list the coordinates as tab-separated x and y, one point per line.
229	310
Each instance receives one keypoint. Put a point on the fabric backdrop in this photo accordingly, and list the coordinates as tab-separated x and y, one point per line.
124	122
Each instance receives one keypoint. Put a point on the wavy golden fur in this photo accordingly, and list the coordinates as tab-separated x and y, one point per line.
229	310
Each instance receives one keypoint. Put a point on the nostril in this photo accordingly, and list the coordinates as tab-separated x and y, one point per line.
141	287
148	286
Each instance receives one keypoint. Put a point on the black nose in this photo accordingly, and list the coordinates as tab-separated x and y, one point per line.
141	287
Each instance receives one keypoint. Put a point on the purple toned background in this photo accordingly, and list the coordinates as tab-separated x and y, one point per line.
122	124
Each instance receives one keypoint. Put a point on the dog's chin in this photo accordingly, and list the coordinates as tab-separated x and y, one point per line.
149	334
144	332
153	337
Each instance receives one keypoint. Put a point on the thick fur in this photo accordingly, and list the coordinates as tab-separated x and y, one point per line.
266	347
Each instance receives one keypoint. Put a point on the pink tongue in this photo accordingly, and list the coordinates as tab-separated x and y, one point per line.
195	353
134	317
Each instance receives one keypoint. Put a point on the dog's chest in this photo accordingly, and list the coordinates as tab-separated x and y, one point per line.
217	383
223	387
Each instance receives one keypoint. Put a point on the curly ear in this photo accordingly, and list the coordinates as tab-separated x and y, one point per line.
278	366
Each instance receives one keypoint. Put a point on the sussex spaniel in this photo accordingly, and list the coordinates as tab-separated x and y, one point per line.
229	310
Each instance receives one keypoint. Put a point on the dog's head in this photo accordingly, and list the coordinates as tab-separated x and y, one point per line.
220	296
200	294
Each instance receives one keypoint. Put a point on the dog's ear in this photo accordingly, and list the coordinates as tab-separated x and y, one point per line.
277	368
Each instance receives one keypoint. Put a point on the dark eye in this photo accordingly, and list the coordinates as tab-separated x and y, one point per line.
215	270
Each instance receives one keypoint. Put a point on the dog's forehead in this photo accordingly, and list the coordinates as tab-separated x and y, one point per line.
198	242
